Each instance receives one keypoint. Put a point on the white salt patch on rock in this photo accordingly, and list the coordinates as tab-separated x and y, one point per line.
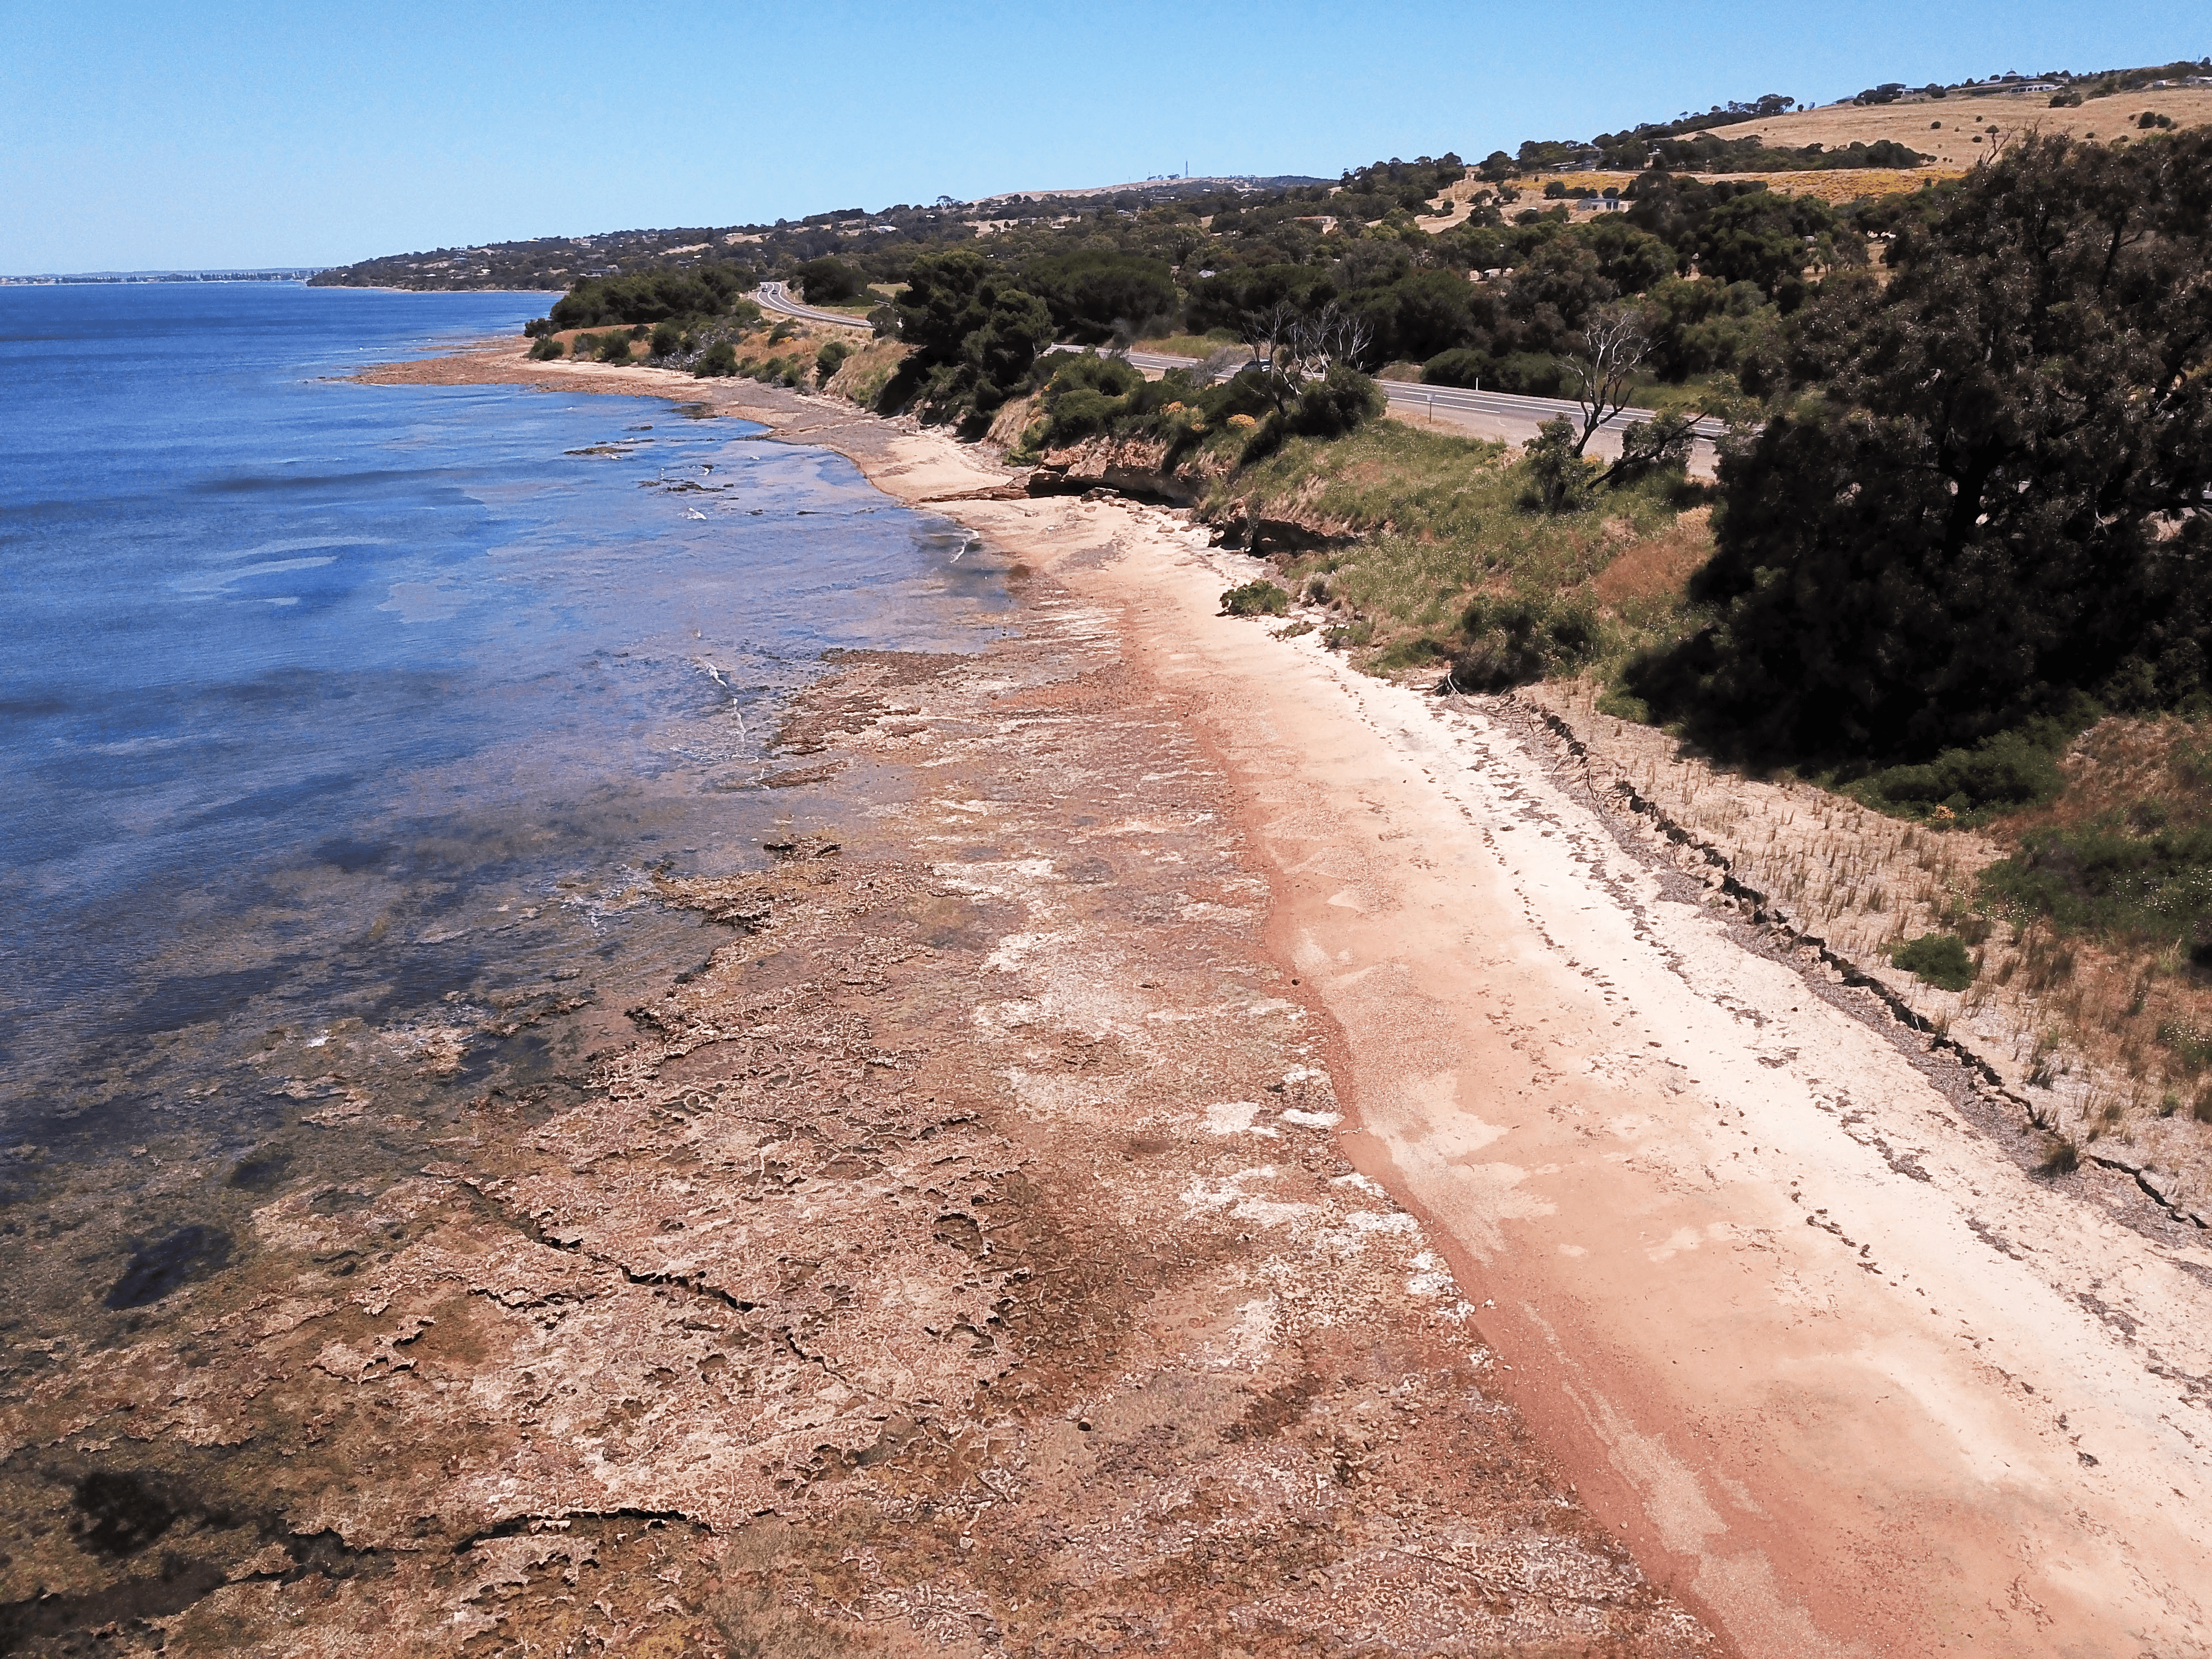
1230	1196
1236	1117
1313	1120
1430	1276
1381	1221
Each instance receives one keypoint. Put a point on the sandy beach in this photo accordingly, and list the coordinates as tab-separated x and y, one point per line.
1830	1361
1218	1155
1821	1350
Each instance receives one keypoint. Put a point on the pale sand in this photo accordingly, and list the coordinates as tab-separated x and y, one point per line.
1831	1365
1820	1355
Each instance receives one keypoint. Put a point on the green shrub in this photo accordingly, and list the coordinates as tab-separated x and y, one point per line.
708	290
1417	651
829	281
780	371
2190	1045
1340	402
1078	414
1257	597
1531	374
546	350
2011	770
1461	365
1937	959
719	358
2150	889
1073	371
613	349
1661	445
829	359
667	340
1334	406
1511	642
1088	395
537	327
1557	480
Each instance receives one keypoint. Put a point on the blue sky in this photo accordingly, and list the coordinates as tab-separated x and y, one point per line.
141	137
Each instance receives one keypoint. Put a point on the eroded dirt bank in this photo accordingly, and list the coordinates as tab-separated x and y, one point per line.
963	1261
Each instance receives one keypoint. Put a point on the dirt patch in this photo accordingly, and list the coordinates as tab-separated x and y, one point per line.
1964	118
1655	568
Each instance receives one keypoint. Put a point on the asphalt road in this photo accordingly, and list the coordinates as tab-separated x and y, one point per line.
776	298
1407	398
1521	413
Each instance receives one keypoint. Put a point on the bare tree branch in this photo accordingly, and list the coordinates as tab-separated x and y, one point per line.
1612	348
1290	347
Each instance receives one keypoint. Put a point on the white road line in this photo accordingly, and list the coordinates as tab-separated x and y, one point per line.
774	297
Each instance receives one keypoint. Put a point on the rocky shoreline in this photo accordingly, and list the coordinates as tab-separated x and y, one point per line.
969	1258
963	1259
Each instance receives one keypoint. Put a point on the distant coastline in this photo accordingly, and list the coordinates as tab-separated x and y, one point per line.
298	277
285	274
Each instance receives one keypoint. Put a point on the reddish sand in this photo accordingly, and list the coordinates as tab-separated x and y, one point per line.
1833	1366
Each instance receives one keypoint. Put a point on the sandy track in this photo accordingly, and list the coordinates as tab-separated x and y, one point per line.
1823	1357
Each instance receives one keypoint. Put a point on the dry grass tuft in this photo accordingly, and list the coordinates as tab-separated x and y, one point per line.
1655	568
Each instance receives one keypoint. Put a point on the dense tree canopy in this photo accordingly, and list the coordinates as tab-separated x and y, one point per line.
652	297
827	281
1092	293
1766	238
1419	315
1698	325
1997	499
975	333
1224	301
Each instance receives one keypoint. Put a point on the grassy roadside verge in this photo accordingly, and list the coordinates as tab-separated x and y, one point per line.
1442	558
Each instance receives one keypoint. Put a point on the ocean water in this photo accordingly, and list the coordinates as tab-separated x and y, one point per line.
345	723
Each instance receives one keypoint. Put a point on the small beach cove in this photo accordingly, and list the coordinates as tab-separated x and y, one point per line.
1219	1152
1742	1236
959	1257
